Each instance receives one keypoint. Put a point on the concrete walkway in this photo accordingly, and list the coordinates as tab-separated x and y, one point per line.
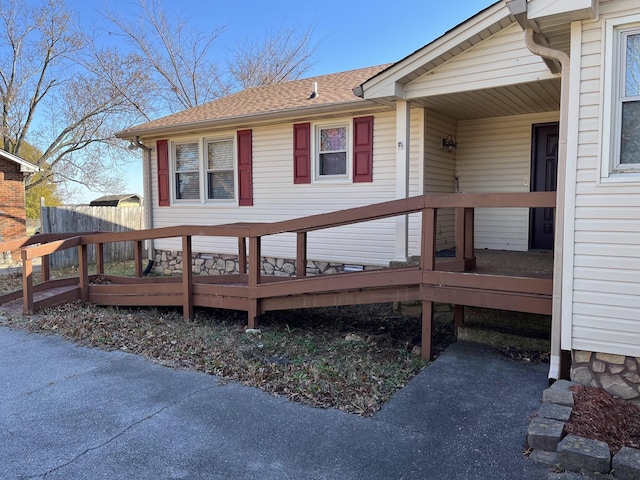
69	412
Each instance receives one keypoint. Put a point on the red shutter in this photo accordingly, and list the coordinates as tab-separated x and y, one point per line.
363	149
162	150
302	153
245	168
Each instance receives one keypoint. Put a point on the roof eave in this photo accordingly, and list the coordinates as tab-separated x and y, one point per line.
245	120
25	167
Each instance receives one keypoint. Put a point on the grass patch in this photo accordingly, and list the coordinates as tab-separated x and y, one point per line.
350	358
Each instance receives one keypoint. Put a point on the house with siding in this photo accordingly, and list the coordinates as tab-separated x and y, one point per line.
527	95
12	195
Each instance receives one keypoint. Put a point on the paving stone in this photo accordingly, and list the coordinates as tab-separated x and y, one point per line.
584	454
561	397
544	457
555	411
626	464
562	385
544	434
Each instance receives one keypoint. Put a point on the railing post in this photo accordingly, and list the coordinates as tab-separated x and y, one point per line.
255	256
301	254
45	268
427	263
137	257
465	258
100	258
27	283
187	278
83	267
242	255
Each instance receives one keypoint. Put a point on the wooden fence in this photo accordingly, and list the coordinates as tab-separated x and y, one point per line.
92	219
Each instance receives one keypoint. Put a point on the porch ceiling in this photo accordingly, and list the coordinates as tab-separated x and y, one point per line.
543	96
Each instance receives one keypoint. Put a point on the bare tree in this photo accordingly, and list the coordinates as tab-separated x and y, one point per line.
57	92
182	72
280	56
185	73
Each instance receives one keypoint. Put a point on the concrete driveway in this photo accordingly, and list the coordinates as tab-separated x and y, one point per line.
69	412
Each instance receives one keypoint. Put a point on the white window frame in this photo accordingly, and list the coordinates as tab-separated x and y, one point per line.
173	183
616	31
234	167
341	178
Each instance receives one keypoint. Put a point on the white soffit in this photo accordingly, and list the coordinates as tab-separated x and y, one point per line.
570	10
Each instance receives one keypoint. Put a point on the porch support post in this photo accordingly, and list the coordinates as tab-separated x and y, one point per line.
403	130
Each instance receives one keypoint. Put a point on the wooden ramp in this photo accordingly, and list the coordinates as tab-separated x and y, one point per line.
456	281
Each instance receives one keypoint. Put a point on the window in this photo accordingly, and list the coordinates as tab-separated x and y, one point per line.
187	171
621	101
630	102
332	158
220	180
335	155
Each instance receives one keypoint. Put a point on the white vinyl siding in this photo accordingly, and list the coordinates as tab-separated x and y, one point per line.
276	197
500	60
439	172
604	308
494	155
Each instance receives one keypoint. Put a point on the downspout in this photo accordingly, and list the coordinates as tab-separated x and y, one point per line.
556	318
148	206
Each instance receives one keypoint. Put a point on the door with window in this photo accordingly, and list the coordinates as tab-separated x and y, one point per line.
544	174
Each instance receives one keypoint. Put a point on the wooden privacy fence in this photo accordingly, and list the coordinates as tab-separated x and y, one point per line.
91	219
428	282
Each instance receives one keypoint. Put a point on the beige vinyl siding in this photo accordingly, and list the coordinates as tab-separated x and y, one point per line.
439	172
500	60
494	155
277	198
605	304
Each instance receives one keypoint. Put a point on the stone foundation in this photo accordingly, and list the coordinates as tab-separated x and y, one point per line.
167	262
617	374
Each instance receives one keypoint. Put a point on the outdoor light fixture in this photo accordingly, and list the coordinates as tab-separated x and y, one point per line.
132	146
450	144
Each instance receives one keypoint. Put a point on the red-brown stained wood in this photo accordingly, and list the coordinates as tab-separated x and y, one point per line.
83	272
187	278
137	258
27	285
301	254
250	291
100	258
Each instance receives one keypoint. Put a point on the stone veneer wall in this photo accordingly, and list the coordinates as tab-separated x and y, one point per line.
171	263
617	374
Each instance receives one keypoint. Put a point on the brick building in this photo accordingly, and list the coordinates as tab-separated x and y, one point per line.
12	196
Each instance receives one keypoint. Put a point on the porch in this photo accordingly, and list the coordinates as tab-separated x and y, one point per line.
462	281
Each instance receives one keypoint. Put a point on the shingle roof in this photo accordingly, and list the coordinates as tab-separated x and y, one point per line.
333	89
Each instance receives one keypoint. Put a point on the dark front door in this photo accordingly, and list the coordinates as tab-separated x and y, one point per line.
544	171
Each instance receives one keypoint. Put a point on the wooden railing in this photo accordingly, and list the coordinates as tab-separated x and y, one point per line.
251	291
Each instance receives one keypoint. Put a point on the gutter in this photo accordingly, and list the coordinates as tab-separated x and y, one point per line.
148	205
556	318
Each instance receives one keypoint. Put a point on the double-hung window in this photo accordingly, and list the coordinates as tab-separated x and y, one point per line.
332	151
630	102
621	101
187	171
220	173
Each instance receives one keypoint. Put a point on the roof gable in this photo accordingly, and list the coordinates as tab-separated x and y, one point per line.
390	82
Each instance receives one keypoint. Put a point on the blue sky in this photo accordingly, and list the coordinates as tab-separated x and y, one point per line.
353	34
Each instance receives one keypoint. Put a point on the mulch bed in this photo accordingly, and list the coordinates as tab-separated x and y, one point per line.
598	415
